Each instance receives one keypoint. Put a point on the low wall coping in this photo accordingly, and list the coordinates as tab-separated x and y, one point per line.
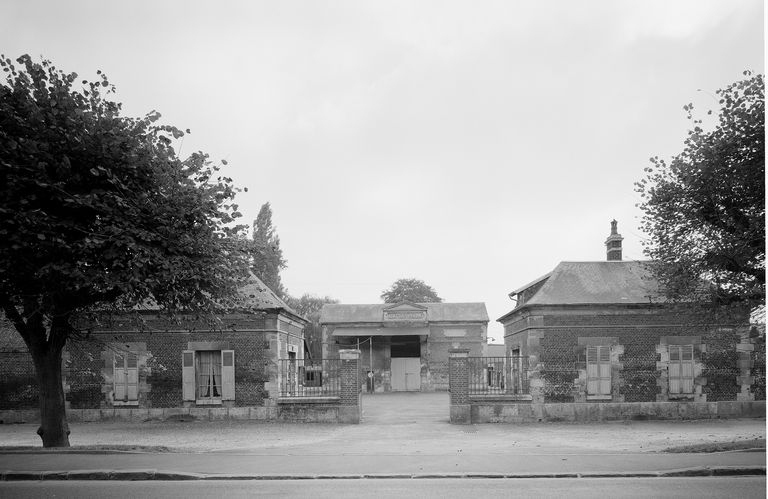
308	400
500	398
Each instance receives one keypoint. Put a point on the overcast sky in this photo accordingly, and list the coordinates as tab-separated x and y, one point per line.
473	145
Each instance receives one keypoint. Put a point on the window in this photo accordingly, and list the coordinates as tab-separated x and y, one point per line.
126	378
208	376
208	372
313	376
680	369
599	371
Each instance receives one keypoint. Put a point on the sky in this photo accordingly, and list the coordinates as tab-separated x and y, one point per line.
472	145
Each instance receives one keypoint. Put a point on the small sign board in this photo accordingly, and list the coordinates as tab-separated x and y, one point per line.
405	316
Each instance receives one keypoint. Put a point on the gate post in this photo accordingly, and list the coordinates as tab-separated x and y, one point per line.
350	408
458	386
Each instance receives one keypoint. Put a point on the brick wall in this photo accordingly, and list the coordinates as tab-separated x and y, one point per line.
442	338
18	385
551	339
160	376
159	342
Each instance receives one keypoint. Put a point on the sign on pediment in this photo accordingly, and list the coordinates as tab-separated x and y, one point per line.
404	314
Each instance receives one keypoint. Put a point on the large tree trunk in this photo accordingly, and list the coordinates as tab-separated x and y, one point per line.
54	429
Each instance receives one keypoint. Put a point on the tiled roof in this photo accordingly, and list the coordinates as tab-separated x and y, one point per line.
436	312
258	295
254	295
10	339
622	282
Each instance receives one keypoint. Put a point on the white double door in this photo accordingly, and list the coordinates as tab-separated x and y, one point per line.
406	374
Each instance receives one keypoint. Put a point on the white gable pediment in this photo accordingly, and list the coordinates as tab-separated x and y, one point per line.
404	306
404	313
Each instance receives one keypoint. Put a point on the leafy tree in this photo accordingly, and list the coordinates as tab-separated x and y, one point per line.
267	256
309	306
413	290
705	209
98	211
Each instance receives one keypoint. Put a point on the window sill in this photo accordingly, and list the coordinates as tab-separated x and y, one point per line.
124	403
681	396
500	398
600	397
307	400
207	402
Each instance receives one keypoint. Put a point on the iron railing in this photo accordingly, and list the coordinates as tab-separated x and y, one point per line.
310	378
498	375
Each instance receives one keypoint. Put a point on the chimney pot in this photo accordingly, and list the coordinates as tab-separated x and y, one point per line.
613	243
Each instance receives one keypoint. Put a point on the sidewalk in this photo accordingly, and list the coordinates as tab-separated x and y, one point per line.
378	449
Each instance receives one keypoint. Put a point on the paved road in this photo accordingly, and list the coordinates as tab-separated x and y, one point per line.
699	488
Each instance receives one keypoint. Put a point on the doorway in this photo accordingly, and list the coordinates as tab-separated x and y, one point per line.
405	366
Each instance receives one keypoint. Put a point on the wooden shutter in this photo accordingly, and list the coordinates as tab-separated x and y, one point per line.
599	370
686	368
119	378
680	369
604	355
593	383
228	375
674	370
132	376
188	375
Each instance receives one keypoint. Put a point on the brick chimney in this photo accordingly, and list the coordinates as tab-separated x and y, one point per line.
613	244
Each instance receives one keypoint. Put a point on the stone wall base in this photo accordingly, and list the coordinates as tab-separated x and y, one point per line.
461	414
306	412
495	412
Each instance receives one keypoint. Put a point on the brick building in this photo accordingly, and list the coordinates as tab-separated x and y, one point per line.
602	331
404	346
147	360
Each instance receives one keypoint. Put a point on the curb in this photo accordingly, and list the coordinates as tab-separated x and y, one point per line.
146	475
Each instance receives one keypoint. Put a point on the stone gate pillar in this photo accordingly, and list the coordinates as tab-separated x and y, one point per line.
458	386
350	406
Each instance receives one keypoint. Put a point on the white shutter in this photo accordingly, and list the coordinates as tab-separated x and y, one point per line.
686	361
599	370
605	370
119	378
674	377
228	375
593	383
188	375
132	376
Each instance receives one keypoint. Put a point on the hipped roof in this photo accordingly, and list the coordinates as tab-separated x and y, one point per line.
436	312
582	283
253	295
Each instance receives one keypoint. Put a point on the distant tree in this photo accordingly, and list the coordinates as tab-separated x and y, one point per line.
267	256
705	209
97	210
413	290
309	306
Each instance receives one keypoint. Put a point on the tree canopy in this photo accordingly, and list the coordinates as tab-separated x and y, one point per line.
97	209
309	307
705	209
413	290
266	252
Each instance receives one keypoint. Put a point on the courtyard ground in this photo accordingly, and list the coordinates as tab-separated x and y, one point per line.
415	422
